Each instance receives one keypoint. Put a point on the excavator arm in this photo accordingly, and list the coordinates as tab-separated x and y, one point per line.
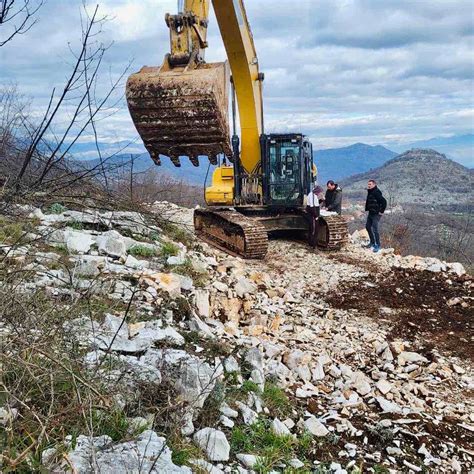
181	107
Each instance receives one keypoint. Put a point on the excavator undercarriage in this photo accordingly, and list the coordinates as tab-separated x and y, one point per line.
243	231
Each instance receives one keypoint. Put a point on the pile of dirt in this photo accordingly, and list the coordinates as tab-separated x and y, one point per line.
418	305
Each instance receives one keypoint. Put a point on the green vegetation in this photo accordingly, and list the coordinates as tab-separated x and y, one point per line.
76	225
276	400
142	251
154	236
62	249
56	208
169	249
177	233
379	469
250	387
182	450
10	232
113	423
186	269
259	440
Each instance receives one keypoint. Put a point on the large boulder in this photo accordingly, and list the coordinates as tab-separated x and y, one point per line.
148	453
193	377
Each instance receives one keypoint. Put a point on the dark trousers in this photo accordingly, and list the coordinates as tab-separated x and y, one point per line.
372	226
313	215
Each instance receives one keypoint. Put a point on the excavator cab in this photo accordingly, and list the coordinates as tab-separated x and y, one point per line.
287	162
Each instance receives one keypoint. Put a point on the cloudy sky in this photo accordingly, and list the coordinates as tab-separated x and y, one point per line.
342	71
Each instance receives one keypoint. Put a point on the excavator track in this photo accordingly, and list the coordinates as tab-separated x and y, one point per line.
333	232
232	232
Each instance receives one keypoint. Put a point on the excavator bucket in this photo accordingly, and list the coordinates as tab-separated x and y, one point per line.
181	112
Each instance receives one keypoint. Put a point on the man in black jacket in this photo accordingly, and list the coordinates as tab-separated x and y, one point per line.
333	198
375	205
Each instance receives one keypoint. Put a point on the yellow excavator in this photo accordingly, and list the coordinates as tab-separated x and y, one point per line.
181	109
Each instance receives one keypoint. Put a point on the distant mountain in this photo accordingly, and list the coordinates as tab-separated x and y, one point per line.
459	148
338	163
122	164
419	176
333	163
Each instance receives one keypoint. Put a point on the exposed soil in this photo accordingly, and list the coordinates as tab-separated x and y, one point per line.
418	307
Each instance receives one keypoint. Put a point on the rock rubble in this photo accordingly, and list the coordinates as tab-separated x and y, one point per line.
369	396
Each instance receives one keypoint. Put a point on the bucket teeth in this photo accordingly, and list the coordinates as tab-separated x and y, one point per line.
213	159
155	157
194	160
175	160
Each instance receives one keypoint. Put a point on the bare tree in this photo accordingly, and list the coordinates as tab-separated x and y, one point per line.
17	17
46	145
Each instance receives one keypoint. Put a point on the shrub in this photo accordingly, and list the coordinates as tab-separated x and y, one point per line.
169	249
142	251
56	208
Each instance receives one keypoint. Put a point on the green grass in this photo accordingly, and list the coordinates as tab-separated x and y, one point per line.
276	400
169	249
379	469
250	387
186	269
62	249
142	251
182	450
76	225
56	208
10	232
113	423
259	440
177	233
154	236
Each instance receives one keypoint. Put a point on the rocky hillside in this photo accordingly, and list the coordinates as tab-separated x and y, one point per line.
420	177
129	346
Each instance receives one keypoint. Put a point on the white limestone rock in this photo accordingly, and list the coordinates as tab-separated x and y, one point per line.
383	386
77	241
249	416
148	453
315	427
248	460
279	428
112	243
202	303
244	286
214	443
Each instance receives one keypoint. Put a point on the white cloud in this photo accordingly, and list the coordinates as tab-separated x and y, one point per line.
339	70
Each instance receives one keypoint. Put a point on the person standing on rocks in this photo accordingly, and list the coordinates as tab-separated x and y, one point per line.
333	198
375	205
314	200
